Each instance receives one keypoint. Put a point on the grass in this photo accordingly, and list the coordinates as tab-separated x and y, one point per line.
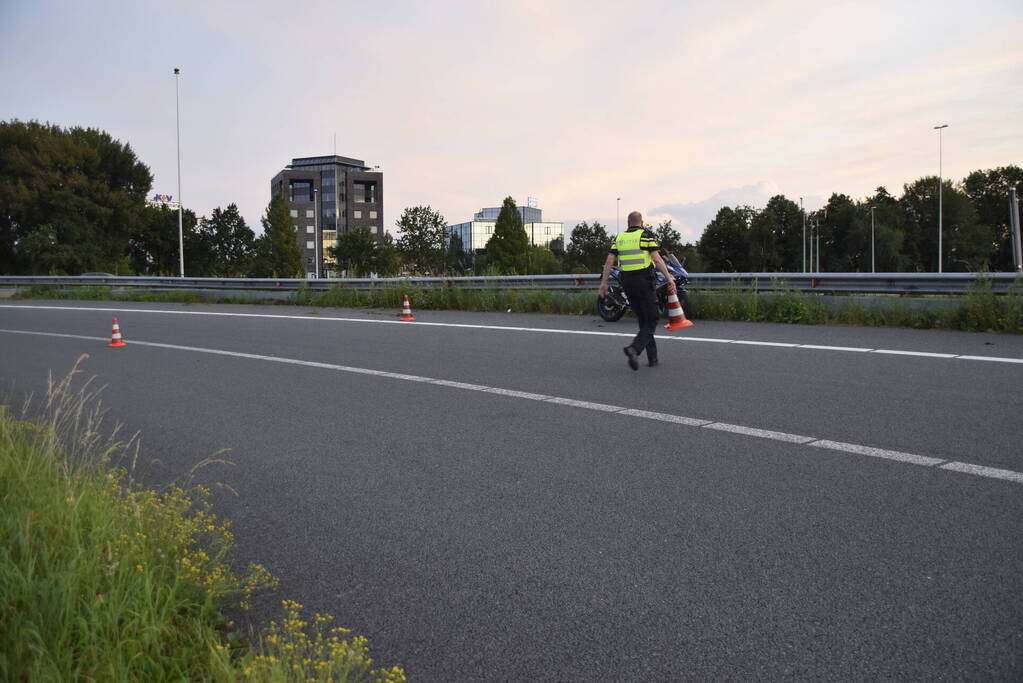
979	310
107	580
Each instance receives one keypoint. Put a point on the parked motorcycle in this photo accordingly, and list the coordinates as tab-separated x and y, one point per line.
613	306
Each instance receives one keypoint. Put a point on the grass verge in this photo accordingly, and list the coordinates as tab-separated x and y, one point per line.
104	579
979	310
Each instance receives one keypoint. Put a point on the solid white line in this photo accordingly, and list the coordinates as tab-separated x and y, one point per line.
915	353
507	328
910	458
665	417
835	348
980	470
763	343
759	433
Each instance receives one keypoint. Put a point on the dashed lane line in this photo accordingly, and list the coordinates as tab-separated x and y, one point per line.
753	432
547	330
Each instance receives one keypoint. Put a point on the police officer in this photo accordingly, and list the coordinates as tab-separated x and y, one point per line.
637	252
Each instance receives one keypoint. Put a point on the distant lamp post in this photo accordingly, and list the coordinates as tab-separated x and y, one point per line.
618	214
803	212
939	128
316	237
177	120
872	267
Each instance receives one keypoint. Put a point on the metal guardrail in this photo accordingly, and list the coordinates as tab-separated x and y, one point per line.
825	283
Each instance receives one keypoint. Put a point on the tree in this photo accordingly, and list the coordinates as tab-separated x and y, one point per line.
507	248
844	242
455	260
356	252
229	242
989	192
668	237
542	261
277	253
787	231
387	257
423	240
724	244
588	248
889	234
70	199
966	244
762	235
153	245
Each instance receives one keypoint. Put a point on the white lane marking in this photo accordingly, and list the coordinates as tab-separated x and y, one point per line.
506	328
819	347
980	470
763	343
665	417
909	458
992	358
518	394
913	458
915	353
585	404
759	433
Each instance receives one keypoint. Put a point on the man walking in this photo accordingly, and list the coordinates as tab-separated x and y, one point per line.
637	252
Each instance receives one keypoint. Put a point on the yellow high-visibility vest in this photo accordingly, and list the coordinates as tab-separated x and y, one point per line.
630	255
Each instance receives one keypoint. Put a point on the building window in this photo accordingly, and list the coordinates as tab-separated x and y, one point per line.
365	192
294	213
309	229
310	244
372	214
301	190
309	213
357	214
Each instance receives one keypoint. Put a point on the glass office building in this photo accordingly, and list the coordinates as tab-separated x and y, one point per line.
328	197
476	233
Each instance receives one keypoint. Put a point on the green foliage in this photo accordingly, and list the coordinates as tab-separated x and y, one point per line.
668	237
507	248
587	249
357	252
542	261
277	252
989	192
422	243
106	580
228	243
724	245
71	198
387	257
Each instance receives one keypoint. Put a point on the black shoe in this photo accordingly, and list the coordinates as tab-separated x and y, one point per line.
652	363
631	354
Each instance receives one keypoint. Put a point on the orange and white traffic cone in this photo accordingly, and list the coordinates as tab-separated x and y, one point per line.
406	311
676	316
115	336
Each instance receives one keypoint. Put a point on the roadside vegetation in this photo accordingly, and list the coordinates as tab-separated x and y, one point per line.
107	580
979	310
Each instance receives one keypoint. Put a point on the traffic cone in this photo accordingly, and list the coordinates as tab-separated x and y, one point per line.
406	311
676	316
115	336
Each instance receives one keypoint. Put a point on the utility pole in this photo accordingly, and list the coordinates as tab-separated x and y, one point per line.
618	213
316	236
872	268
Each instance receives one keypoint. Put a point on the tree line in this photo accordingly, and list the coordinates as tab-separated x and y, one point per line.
72	200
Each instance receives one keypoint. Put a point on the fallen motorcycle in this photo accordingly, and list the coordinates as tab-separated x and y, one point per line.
613	306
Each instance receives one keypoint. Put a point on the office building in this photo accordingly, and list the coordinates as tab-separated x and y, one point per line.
476	233
330	196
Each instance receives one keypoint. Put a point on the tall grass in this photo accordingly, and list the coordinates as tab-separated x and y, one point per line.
979	310
104	579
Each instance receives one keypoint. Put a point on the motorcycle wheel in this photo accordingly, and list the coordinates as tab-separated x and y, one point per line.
610	307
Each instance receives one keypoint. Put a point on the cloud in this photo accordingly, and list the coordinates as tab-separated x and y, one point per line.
691	219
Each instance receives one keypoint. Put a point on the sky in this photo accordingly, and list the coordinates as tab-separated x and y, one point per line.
677	107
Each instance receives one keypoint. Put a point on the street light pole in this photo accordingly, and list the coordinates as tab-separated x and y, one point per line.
939	128
618	214
872	268
177	121
803	212
316	236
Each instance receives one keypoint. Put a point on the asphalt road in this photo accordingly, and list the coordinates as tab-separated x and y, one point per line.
478	532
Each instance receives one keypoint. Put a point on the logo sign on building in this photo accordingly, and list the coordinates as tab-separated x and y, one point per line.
532	202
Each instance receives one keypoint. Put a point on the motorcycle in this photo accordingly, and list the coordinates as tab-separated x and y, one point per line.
613	306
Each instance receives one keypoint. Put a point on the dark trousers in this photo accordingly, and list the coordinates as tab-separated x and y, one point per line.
639	287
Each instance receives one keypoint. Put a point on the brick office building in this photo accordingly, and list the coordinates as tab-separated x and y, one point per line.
329	196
